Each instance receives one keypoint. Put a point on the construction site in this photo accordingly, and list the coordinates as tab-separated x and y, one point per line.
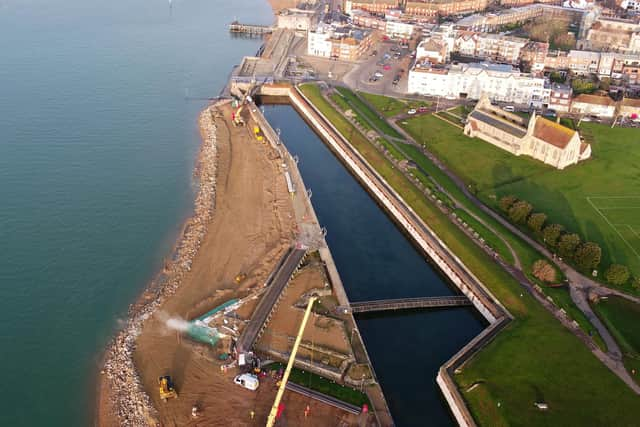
249	329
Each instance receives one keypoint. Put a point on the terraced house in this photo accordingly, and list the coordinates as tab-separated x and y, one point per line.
538	137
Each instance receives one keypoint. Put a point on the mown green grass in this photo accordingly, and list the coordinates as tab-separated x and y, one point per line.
613	171
489	237
621	318
360	107
323	385
387	106
535	358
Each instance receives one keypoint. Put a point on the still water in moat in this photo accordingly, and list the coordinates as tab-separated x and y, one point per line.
375	260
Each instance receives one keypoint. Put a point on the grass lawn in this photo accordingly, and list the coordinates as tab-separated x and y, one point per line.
621	318
535	358
323	385
371	115
389	107
489	237
599	198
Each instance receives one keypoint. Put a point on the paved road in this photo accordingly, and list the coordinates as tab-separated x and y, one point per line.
278	281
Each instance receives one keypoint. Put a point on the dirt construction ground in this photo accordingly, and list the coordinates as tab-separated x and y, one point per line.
250	230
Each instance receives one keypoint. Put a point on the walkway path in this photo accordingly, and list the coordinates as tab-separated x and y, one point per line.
394	140
579	284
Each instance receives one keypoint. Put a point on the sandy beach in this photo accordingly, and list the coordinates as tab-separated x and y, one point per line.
243	222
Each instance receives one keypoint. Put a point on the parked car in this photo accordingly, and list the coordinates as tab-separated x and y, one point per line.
411	112
509	108
247	381
378	74
422	109
386	67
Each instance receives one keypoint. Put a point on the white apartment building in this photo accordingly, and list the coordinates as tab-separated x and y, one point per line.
399	29
490	46
498	82
319	42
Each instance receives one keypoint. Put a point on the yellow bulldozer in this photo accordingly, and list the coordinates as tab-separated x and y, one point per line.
167	390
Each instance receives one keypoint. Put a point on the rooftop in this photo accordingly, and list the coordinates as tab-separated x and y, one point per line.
499	123
594	99
552	133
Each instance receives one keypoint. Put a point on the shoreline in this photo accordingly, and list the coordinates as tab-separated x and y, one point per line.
120	397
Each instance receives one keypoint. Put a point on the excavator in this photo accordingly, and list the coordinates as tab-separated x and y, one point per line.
167	390
243	100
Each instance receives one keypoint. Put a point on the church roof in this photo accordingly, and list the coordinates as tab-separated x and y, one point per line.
496	122
552	133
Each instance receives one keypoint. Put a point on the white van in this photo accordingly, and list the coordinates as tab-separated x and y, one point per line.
247	381
509	108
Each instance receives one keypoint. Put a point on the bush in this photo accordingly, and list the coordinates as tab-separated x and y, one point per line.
543	271
556	77
617	274
636	283
551	233
568	244
583	86
506	202
519	211
536	222
587	256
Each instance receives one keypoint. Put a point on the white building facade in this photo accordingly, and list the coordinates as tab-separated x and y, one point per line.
319	43
499	83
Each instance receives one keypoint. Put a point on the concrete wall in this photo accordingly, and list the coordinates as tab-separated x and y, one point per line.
478	300
482	299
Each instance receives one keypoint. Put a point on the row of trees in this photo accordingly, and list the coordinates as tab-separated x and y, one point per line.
586	256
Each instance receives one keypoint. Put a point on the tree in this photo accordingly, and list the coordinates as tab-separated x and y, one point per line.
568	244
583	86
617	274
543	271
519	211
604	83
636	283
506	202
556	77
588	255
536	221
551	233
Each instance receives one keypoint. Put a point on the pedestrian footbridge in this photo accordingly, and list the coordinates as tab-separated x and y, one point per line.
405	304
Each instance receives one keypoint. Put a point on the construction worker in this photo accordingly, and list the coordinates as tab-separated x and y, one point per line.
252	414
306	411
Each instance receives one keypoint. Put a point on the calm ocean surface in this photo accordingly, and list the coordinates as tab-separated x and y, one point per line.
97	146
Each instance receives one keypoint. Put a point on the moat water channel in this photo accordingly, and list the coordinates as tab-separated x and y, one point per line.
376	261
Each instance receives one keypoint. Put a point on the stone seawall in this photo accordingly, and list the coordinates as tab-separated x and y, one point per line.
126	402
